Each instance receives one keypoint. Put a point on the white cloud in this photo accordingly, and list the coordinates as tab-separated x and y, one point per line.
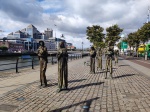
72	16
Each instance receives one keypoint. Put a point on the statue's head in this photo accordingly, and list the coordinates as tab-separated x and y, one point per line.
41	43
110	47
109	43
92	48
62	45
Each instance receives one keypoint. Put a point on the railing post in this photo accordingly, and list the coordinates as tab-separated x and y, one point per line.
32	63
17	65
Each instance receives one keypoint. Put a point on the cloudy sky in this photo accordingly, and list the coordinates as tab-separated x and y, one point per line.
72	16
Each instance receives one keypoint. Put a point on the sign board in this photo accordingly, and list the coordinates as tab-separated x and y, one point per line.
124	45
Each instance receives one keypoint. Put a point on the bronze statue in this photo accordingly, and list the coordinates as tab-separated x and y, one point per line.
116	54
42	54
62	67
92	60
109	56
99	59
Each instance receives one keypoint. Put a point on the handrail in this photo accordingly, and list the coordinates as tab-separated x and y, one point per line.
33	60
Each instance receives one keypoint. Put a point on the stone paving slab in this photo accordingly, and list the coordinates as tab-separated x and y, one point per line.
128	91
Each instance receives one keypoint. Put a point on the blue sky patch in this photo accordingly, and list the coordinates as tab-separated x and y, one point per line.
40	0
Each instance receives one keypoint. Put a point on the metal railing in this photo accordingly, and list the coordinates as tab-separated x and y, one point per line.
34	61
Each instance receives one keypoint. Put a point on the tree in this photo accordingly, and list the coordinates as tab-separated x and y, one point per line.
135	39
113	33
131	40
119	45
144	32
3	48
95	35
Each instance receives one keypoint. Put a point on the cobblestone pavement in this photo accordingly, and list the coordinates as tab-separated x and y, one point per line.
138	60
128	91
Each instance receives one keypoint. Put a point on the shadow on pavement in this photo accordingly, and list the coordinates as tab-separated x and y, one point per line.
104	71
86	85
55	84
83	104
123	65
126	75
76	80
98	72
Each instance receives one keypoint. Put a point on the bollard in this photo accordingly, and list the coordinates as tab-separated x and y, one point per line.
17	65
145	55
71	57
32	63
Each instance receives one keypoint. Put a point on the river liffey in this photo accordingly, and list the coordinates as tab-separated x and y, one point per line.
7	63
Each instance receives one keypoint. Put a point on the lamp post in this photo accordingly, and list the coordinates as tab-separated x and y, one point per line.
55	29
56	38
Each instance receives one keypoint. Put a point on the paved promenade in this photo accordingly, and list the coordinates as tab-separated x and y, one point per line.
128	91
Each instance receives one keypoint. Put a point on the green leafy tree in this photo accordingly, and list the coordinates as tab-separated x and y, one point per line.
95	35
113	33
119	45
3	48
134	40
130	40
144	32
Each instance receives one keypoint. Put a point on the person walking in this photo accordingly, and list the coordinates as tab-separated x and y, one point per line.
42	54
62	67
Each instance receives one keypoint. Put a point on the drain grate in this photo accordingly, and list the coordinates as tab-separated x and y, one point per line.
6	107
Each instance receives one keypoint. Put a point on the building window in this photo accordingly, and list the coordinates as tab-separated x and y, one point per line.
17	35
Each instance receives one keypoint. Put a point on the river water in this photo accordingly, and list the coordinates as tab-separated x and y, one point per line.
7	63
